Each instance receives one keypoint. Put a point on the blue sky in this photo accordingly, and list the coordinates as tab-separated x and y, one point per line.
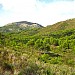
44	12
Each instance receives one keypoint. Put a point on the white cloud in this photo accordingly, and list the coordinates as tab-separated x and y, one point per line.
17	10
57	11
17	4
36	11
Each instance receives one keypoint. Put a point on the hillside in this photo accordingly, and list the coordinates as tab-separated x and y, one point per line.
38	51
63	25
19	26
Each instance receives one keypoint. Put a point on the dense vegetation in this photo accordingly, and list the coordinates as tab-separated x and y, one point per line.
39	51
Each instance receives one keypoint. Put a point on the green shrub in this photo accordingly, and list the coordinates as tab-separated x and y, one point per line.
44	57
56	60
31	69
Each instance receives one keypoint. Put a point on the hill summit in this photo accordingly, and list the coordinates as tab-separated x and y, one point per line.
18	26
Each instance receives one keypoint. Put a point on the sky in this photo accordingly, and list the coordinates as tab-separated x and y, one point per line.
44	12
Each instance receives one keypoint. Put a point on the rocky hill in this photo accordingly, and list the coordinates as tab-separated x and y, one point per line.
19	26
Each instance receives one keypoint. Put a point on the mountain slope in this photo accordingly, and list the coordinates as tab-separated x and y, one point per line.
19	26
30	52
63	25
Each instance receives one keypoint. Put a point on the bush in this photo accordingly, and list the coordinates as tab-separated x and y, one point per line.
56	60
31	69
71	62
44	57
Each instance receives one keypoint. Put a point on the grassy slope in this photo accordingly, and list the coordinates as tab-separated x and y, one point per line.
63	25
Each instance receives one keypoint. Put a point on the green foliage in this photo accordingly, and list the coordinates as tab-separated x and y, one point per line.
32	68
46	41
38	43
71	62
44	57
56	60
30	43
38	51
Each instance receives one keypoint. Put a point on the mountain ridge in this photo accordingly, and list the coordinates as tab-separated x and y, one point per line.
25	25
